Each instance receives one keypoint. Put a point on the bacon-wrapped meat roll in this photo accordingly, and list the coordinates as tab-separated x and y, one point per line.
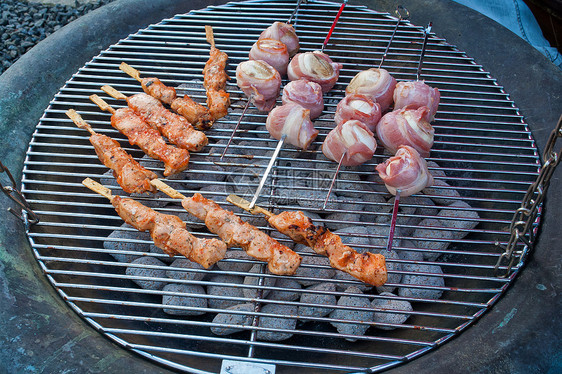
358	107
405	171
273	52
285	33
260	81
406	127
294	121
352	138
415	94
316	67
305	93
375	83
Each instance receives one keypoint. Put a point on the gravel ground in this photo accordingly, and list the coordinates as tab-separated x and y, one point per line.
24	24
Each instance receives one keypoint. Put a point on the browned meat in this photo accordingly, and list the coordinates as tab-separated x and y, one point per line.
214	81
149	140
169	232
367	267
195	113
155	88
218	103
176	128
130	175
230	228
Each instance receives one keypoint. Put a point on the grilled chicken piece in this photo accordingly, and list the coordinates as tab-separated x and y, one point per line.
367	267
235	232
174	127
214	81
149	140
194	113
131	176
218	103
155	88
169	232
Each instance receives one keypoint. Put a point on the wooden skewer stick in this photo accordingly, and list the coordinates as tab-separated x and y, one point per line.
113	92
129	70
245	204
174	194
209	36
98	188
102	104
79	121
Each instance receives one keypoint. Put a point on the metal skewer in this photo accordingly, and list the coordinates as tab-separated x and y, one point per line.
252	96
284	136
399	10
426	31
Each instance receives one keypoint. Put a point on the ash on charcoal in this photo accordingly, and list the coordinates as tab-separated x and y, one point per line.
187	301
149	275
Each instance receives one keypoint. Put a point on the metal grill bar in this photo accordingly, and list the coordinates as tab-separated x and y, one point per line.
484	160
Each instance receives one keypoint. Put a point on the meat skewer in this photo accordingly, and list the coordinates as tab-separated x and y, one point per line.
235	232
174	127
167	231
360	107
215	77
194	112
367	267
145	137
283	33
398	172
131	176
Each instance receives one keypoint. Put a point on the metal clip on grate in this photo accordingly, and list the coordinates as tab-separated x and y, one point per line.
441	269
27	215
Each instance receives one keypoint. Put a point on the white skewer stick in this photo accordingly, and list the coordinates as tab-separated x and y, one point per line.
399	10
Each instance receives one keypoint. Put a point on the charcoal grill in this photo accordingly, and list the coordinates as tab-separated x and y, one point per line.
479	131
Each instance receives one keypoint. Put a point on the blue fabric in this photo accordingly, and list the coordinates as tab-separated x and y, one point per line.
517	17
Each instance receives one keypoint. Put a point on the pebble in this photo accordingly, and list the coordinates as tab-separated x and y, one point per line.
233	319
226	292
186	301
151	274
362	312
127	239
388	317
277	323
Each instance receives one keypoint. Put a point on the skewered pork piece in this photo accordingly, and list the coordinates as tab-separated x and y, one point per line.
285	33
358	107
416	94
352	143
406	127
271	51
235	232
174	127
367	267
131	176
167	231
293	121
195	113
406	171
305	93
145	137
214	81
316	67
260	82
375	83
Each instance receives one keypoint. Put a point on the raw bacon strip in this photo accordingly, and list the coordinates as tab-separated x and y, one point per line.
169	233
229	227
316	67
406	127
260	82
271	51
358	107
131	176
416	94
367	267
176	128
405	171
305	93
150	141
285	33
293	121
352	138
375	83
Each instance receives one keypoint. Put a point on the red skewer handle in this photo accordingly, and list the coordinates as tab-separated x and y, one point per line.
334	25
